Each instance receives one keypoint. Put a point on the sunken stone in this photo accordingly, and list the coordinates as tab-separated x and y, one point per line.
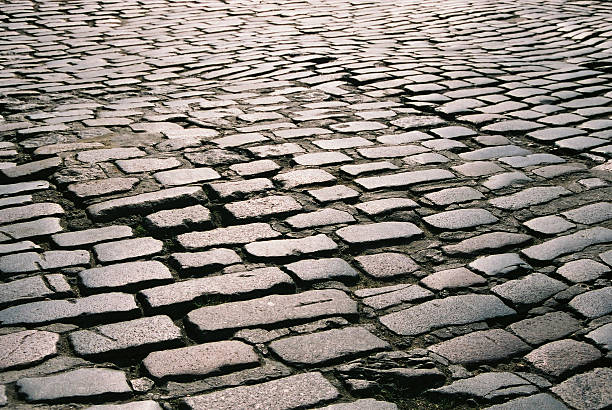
316	270
282	248
126	338
298	391
377	232
200	360
486	346
560	357
386	264
460	219
76	385
587	391
328	346
545	328
26	348
530	290
130	275
453	310
274	310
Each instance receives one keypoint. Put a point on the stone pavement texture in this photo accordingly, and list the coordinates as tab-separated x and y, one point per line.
342	204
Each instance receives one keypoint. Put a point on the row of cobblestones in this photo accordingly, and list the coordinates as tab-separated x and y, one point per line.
343	205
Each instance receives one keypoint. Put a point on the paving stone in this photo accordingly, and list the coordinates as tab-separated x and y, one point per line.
126	338
144	203
200	360
186	176
240	189
580	143
545	328
57	148
270	311
32	261
232	235
206	261
133	405
362	404
182	219
506	179
369	167
316	270
417	121
452	279
487	346
357	126
27	348
602	336
214	157
15	200
327	216
301	132
342	143
259	167
380	206
549	225
590	214
594	303
450	196
129	275
238	285
302	390
529	197
486	242
460	219
606	257
127	249
284	248
386	264
551	133
453	132
101	187
404	179
76	385
328	346
562	245
393	151
263	207
478	168
20	213
18	247
90	308
582	270
499	265
541	401
530	290
237	140
31	170
491	386
39	227
303	177
453	310
321	158
33	288
278	150
388	296
334	193
531	160
588	390
131	166
562	356
381	231
109	154
89	236
512	126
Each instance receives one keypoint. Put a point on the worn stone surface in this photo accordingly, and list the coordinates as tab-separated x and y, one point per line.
129	275
284	248
316	270
589	390
26	348
488	387
545	328
386	264
559	357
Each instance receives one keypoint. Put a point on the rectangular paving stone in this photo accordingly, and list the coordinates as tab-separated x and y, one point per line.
453	310
368	167
460	219
26	348
31	170
37	210
529	197
108	154
90	236
321	158
132	166
545	328
126	338
263	207
87	309
283	248
32	261
124	276
327	216
87	384
260	167
380	206
200	360
31	229
206	261
317	270
298	391
377	232
303	177
145	203
270	311
388	296
239	189
530	290
232	235
590	214
486	242
127	249
33	288
563	245
392	151
404	179
100	187
186	176
328	346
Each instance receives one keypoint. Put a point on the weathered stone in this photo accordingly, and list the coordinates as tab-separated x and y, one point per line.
380	206
303	177
562	245
357	126
128	276
282	248
239	285
90	308
558	358
594	303
76	385
387	296
368	167
232	235
486	242
179	219
452	279
277	150
213	157
545	328
33	288
342	143
316	270
506	179
404	179
541	401
200	360
333	193
460	219
202	262
582	270
100	155
133	405
126	338
453	195
302	390
26	348
20	213
488	386
89	236
259	167
590	214
587	391
529	197
530	290
392	151
377	232
263	207
602	336
386	264
322	158
31	170
417	121
23	187
240	189
549	225
362	404
327	216
127	249
32	261
275	310
39	227
453	310
99	187
487	346
328	346
478	168
186	176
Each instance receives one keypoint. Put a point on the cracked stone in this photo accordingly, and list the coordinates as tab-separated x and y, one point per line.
26	348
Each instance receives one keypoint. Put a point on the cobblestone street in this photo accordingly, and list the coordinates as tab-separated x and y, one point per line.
341	204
